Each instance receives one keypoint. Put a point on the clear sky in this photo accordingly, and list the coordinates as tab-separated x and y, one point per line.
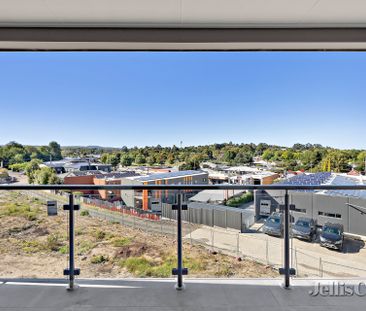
138	99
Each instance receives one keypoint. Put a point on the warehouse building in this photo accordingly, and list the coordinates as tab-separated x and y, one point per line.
76	164
336	206
152	199
113	178
95	177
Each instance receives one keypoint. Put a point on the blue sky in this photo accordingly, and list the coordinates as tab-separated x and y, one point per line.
116	99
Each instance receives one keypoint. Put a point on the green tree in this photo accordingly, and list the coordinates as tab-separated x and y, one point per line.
140	159
151	160
55	150
243	158
31	168
126	160
45	176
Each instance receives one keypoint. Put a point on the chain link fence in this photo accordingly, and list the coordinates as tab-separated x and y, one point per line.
258	247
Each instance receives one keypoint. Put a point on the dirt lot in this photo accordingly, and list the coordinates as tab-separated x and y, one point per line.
34	245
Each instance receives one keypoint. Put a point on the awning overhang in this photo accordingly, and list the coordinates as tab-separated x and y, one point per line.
182	25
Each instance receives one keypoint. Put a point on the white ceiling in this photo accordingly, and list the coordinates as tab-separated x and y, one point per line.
184	13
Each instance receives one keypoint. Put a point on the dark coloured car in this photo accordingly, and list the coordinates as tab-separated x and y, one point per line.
274	225
332	236
304	229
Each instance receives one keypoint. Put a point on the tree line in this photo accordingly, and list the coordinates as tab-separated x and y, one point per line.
18	157
309	157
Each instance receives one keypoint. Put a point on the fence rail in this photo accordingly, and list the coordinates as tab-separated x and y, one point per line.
183	187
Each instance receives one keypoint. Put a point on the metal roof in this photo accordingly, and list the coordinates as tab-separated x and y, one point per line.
344	180
327	178
117	175
214	195
170	175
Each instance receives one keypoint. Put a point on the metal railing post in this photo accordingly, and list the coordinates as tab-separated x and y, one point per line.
71	271
287	271
287	243
179	271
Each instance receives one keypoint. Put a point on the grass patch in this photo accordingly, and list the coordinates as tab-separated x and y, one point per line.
84	247
120	242
84	212
144	267
19	210
139	266
53	243
79	231
64	249
32	247
98	259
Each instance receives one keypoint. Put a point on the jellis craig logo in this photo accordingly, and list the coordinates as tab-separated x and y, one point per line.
339	289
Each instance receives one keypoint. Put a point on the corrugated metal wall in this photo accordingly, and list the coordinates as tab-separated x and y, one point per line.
211	216
319	206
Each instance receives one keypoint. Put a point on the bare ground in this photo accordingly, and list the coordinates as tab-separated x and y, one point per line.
34	246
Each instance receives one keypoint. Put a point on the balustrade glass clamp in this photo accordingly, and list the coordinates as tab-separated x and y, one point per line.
282	271
175	207
67	207
76	271
184	271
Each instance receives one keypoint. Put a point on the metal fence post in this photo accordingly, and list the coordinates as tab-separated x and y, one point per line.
237	245
71	271
179	271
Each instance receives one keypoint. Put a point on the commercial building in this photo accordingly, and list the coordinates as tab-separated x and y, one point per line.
81	178
336	206
77	164
96	177
257	178
113	178
152	199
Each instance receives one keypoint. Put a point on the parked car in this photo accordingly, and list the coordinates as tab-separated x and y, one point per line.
332	236
304	229
274	225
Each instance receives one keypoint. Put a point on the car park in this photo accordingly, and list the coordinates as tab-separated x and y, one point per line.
274	225
332	236
304	228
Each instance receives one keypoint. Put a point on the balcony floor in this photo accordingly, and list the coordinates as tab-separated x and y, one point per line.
159	294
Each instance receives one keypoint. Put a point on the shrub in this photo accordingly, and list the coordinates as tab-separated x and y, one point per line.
64	249
98	259
53	243
237	201
100	234
84	212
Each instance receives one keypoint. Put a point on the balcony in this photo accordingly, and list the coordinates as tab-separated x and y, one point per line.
253	270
